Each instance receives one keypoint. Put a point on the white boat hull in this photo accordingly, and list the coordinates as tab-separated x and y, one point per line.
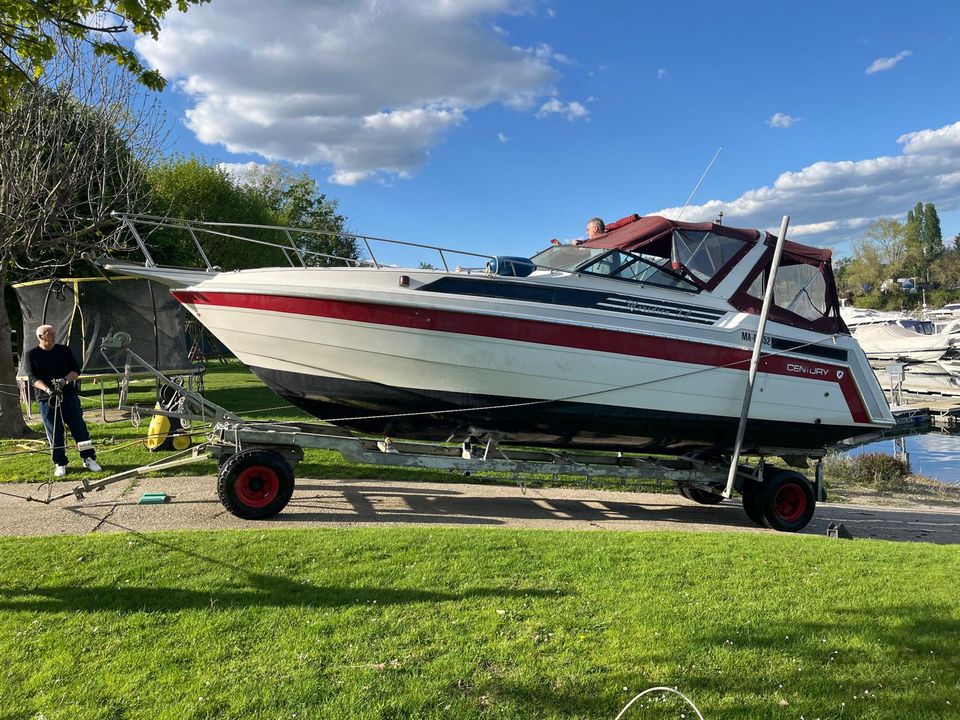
396	367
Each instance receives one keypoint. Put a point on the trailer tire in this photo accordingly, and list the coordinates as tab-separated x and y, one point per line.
700	496
255	484
751	502
787	501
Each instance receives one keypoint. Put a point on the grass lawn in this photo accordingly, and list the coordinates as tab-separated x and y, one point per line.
442	623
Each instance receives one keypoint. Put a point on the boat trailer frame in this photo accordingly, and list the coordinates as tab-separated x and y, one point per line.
257	460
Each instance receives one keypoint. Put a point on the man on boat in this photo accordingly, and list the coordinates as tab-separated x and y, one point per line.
595	228
53	371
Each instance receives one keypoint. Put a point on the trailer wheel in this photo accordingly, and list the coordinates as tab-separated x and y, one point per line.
751	501
787	501
700	496
255	484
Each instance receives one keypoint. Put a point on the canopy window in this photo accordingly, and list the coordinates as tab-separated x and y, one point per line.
804	293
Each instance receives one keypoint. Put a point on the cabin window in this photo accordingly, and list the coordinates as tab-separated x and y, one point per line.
799	288
703	253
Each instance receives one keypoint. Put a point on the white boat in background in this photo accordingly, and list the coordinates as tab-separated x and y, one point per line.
637	340
947	313
854	317
885	343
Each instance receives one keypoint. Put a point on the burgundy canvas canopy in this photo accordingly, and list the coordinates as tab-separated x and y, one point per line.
653	235
633	231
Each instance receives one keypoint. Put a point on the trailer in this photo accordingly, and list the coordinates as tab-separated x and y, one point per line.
257	461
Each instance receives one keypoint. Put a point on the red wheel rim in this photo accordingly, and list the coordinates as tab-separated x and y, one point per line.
790	503
257	486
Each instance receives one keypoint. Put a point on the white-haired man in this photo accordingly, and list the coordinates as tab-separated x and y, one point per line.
53	371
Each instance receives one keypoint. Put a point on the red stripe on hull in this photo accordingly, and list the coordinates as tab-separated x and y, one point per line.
541	332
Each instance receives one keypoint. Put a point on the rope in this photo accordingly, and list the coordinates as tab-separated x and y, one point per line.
112	448
659	689
450	411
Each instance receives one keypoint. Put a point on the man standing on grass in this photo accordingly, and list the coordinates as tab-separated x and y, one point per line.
53	371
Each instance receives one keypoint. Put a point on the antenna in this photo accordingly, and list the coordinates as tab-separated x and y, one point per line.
697	186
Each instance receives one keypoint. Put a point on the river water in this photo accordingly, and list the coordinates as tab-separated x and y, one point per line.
935	454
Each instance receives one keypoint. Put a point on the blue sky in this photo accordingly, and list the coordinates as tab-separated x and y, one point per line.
495	125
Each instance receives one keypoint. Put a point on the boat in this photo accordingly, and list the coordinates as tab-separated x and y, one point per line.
928	349
637	340
855	317
895	342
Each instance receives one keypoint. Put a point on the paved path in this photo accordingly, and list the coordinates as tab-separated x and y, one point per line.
357	503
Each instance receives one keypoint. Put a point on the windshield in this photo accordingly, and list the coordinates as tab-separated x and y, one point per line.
565	257
639	268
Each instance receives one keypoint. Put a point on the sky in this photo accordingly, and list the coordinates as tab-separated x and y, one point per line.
496	125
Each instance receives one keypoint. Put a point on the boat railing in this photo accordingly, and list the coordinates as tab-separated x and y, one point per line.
298	255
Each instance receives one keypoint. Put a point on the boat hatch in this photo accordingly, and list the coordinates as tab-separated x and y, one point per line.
510	266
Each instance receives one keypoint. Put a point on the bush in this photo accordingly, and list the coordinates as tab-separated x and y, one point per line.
939	298
873	470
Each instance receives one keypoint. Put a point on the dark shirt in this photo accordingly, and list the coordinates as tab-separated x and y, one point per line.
47	365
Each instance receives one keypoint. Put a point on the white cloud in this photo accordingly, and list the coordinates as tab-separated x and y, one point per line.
831	202
502	138
364	87
941	140
242	173
661	74
782	120
551	13
881	64
572	110
546	52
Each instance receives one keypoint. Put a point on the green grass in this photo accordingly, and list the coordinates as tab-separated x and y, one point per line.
436	623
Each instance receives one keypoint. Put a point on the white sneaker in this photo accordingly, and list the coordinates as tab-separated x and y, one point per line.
91	464
60	471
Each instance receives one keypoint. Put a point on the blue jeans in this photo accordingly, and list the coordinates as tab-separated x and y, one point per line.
70	413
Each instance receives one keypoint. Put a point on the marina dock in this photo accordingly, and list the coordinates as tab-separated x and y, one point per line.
931	412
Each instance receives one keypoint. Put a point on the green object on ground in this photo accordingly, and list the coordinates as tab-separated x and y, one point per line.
157	498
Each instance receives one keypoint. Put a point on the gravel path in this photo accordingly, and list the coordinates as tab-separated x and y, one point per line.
357	503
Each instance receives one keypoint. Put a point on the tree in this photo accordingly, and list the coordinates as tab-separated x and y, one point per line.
924	238
889	237
877	255
297	202
866	270
945	270
31	32
914	260
70	154
194	189
931	236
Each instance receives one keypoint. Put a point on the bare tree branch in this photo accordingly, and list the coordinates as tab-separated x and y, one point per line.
71	153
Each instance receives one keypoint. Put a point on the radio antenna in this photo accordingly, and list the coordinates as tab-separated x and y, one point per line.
697	186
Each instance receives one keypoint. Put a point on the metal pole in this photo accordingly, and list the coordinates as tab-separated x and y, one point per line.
206	260
295	248
140	243
755	359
